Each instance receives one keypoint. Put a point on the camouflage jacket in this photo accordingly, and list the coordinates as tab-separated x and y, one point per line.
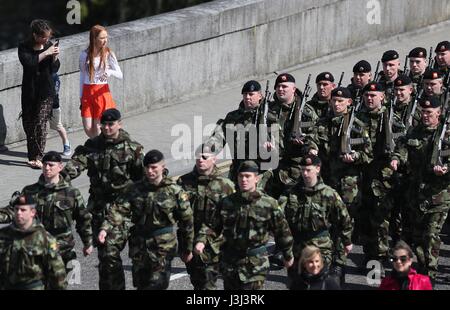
58	205
152	209
111	164
240	128
282	117
331	133
415	150
205	193
354	90
246	219
30	259
310	211
321	108
275	182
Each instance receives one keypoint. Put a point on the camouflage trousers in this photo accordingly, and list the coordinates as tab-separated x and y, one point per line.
111	273
248	273
427	216
203	275
349	189
152	259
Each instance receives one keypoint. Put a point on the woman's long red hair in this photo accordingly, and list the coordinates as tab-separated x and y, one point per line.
104	52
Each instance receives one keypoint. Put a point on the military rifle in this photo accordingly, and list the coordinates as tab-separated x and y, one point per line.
349	119
297	133
388	117
376	76
265	108
438	154
405	67
412	110
430	58
340	79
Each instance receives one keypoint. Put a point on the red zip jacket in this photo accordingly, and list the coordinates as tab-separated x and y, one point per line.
417	282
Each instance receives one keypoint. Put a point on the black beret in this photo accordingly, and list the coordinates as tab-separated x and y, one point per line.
153	157
25	200
310	160
442	46
248	166
402	80
432	74
283	78
206	148
341	92
389	55
325	76
110	115
430	102
52	156
418	52
362	66
251	86
373	86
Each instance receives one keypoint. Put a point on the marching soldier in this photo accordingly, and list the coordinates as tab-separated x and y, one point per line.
154	205
417	66
345	147
241	128
391	71
362	75
29	258
246	218
113	161
58	204
320	102
205	188
314	210
443	58
428	194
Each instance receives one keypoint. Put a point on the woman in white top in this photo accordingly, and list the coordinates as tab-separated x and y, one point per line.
97	63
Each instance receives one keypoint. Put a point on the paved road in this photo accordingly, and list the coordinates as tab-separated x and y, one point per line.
158	129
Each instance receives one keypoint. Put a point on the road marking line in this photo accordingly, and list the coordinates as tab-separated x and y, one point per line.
178	275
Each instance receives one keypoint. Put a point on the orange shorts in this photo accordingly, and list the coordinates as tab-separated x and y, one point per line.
95	100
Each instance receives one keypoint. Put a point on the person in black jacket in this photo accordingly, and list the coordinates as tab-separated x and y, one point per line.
39	58
313	273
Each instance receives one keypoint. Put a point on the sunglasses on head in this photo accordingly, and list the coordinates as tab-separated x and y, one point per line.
403	258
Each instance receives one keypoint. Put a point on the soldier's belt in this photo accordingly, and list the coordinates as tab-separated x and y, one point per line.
255	251
59	231
26	286
156	232
314	234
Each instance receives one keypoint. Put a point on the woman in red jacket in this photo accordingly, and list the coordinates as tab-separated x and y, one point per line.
403	276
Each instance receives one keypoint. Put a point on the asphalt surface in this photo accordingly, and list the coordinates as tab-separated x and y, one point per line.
158	129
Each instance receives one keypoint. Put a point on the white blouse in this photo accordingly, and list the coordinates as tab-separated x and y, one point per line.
111	69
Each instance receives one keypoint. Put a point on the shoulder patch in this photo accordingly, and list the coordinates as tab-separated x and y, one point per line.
184	196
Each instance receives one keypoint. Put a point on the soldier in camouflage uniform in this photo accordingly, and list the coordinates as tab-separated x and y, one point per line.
320	102
205	188
433	85
343	172
241	130
113	161
312	209
155	205
429	199
391	71
29	258
417	66
246	218
58	205
281	119
362	75
443	58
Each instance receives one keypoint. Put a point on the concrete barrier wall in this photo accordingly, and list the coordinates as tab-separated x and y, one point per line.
175	56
